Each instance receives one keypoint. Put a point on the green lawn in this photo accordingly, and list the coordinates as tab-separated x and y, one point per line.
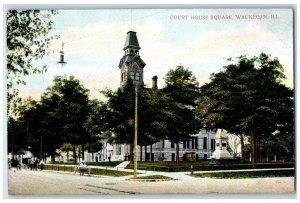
203	166
157	177
94	171
246	174
104	163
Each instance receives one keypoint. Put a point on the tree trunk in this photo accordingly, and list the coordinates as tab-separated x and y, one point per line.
53	157
242	149
131	153
141	153
79	154
146	153
151	153
177	154
41	147
74	154
253	143
256	151
82	151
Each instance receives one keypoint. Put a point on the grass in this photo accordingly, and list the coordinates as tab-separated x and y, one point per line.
159	177
203	166
104	163
247	174
94	171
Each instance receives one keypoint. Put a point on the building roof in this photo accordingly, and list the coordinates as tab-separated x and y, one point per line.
130	58
131	41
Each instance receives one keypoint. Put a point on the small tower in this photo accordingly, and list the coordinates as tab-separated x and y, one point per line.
131	64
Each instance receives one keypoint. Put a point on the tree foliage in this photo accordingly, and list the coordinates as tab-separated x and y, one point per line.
183	93
58	118
28	40
248	97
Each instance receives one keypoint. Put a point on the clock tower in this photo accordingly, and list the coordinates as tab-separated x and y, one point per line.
131	64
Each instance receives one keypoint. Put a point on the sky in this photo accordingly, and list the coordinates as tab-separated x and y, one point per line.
198	39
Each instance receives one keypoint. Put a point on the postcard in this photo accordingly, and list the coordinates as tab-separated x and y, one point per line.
120	101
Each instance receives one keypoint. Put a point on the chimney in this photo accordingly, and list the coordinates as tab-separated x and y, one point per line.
154	82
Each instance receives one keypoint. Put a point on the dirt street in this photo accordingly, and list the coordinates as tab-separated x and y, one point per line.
28	182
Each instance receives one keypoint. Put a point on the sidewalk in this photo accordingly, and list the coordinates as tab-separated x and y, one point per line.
175	175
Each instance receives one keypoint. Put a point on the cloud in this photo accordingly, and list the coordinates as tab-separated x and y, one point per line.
93	53
207	53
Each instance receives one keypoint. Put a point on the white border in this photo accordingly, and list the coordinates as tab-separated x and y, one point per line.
154	3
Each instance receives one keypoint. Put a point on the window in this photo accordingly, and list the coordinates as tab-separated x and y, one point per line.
205	143
172	144
132	75
173	156
163	143
137	76
193	142
223	144
188	144
196	142
123	77
212	144
184	144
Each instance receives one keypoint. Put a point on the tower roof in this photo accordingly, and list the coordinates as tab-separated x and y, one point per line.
131	41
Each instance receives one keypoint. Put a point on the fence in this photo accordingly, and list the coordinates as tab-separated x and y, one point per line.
108	171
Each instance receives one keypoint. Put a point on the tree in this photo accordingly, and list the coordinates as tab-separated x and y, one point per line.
28	39
93	147
70	107
248	98
276	144
98	119
151	110
183	94
66	147
121	106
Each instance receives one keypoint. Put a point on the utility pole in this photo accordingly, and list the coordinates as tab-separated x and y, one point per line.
135	132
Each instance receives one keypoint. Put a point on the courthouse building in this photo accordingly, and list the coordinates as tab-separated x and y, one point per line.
202	144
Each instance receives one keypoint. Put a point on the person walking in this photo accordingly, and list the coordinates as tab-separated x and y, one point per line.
109	157
36	161
32	164
42	164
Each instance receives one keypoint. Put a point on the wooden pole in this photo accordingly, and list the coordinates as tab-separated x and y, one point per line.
135	133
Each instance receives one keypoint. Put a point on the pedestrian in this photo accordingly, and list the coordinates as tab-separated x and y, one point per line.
36	161
32	164
42	164
109	157
18	165
9	163
81	167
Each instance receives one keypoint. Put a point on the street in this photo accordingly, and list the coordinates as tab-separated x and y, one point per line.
26	182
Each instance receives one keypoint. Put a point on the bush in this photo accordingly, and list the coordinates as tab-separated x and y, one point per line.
247	174
171	167
94	171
